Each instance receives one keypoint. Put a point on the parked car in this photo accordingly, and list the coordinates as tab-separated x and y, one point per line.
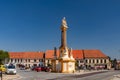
2	68
46	69
33	68
38	69
11	69
22	67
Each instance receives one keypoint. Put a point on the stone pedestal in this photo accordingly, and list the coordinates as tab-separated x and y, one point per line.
67	66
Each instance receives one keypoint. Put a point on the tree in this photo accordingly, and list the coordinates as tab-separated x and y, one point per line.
115	63
4	57
109	58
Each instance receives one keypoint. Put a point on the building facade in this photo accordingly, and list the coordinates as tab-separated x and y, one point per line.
84	58
96	59
26	58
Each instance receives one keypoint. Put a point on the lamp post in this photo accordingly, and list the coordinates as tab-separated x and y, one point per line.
44	58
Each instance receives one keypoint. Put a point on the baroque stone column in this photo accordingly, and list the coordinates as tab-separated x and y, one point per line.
63	48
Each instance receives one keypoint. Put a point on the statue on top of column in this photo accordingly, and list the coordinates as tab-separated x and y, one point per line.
64	23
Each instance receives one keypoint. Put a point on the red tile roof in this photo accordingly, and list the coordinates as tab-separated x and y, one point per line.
77	54
26	55
50	53
93	54
16	54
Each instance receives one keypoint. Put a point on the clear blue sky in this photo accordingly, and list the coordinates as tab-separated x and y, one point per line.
34	25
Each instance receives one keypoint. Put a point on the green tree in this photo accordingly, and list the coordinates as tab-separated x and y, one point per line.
4	57
115	63
109	58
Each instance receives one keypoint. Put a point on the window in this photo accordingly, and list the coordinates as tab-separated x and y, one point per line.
93	61
29	65
81	61
77	61
28	60
11	67
42	60
39	60
34	60
101	61
97	61
48	61
15	60
89	60
105	61
21	60
86	61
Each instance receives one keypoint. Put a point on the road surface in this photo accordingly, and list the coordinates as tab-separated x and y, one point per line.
32	75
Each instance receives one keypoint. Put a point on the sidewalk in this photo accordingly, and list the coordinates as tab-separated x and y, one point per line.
88	71
116	77
10	77
13	77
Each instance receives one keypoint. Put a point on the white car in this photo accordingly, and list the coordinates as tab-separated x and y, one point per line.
11	69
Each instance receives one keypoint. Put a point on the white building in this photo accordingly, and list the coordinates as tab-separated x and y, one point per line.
26	58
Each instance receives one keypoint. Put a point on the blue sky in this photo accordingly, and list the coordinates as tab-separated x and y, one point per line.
34	25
